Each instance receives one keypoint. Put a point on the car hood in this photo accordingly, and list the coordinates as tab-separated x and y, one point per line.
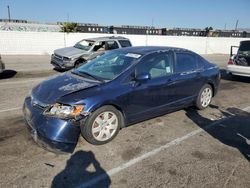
70	52
50	91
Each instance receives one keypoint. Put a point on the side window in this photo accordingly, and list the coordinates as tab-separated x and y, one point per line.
185	62
157	65
99	47
111	45
200	62
125	43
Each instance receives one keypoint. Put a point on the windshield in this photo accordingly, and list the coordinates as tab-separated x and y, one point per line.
109	65
84	45
244	48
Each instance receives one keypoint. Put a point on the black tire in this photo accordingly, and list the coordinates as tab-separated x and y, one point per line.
86	126
198	100
78	63
234	77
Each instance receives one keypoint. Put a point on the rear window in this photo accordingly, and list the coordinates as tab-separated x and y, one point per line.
125	43
185	62
244	46
201	62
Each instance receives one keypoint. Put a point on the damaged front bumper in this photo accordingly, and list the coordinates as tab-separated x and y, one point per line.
61	64
54	134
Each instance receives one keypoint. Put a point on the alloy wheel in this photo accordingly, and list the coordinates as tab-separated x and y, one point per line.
104	126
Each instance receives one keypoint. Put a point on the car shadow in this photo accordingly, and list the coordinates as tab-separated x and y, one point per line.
8	74
226	76
233	132
82	167
59	70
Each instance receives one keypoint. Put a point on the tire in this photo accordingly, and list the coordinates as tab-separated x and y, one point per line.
96	127
205	97
234	77
78	63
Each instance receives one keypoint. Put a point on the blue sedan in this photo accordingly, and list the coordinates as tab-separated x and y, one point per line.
117	89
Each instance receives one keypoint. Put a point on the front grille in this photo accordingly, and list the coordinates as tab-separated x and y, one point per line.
58	57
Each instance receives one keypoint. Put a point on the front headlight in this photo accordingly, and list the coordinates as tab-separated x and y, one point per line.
64	111
67	59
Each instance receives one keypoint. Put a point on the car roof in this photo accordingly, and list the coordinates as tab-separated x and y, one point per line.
107	38
144	50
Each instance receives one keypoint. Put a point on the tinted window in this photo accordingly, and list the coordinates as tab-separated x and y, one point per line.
112	45
185	62
244	46
200	62
157	66
124	43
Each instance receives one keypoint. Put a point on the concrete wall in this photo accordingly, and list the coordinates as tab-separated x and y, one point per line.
12	42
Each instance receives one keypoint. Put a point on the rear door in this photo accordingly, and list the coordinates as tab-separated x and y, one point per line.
125	43
111	45
188	77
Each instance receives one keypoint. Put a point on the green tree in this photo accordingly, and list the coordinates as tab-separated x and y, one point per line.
69	27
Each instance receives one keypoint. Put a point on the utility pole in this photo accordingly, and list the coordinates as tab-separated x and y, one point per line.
236	25
8	7
225	27
67	17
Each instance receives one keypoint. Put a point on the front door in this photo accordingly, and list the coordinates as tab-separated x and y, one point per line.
151	97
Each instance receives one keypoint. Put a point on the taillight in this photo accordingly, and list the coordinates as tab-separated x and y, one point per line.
230	62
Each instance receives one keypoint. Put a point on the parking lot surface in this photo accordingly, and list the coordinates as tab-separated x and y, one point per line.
187	148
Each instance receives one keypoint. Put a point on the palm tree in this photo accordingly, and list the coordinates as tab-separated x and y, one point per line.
69	27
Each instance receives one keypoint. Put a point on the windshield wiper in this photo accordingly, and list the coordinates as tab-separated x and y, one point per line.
81	73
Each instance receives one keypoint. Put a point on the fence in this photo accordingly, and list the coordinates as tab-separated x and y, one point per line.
38	43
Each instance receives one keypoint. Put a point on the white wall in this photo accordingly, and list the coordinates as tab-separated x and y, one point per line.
25	43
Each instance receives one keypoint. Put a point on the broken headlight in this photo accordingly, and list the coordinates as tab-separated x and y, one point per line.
64	111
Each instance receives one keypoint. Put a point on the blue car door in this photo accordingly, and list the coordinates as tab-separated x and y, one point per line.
188	77
152	96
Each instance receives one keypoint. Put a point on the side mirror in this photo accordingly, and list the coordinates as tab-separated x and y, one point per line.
143	77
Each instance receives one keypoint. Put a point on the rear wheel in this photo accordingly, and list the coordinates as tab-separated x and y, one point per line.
102	125
205	97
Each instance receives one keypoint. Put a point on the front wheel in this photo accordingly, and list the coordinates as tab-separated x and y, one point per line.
102	125
79	62
205	97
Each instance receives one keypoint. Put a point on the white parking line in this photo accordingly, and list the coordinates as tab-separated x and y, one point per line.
22	82
10	109
131	162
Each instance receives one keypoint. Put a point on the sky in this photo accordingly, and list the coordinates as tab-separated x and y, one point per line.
159	13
